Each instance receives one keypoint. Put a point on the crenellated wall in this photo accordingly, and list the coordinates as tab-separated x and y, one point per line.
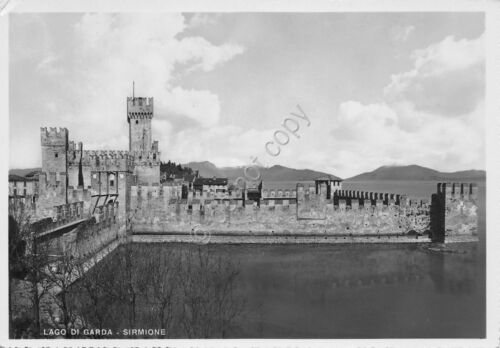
157	209
88	237
23	206
454	210
101	160
80	194
52	191
160	209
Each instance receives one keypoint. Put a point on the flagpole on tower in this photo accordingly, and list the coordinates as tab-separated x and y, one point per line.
133	89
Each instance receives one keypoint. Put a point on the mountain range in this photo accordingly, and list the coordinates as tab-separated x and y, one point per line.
415	172
274	173
282	173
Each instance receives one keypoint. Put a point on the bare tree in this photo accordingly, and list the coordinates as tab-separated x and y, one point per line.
60	274
210	303
31	259
162	286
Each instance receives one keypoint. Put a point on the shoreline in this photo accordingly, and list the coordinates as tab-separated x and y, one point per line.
287	239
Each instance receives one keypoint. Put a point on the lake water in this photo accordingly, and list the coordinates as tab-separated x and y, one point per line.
308	291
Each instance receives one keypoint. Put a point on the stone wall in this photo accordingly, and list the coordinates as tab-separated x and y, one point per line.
88	237
52	190
148	173
272	239
159	209
454	210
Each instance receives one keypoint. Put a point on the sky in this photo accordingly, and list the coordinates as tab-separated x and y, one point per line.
363	90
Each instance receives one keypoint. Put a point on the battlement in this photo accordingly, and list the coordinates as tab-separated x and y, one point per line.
454	210
156	190
67	213
386	198
278	194
106	212
466	191
72	146
139	108
147	157
54	136
79	194
112	160
104	154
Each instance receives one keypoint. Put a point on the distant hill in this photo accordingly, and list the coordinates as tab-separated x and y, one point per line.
415	172
24	172
206	169
274	173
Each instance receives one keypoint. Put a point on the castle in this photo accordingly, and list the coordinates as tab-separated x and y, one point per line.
123	188
71	174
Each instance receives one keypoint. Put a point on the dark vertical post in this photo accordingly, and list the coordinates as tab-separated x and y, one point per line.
437	215
80	169
243	196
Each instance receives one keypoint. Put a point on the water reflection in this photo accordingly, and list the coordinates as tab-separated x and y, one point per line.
286	291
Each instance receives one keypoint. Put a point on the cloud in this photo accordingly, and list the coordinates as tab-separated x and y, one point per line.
203	19
204	55
114	50
414	123
446	78
429	114
439	142
402	34
50	65
202	106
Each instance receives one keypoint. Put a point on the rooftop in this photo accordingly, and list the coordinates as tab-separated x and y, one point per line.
15	178
327	178
210	181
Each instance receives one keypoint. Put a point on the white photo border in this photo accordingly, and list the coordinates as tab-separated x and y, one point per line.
492	34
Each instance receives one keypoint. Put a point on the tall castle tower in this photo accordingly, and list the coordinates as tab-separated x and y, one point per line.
139	116
53	179
54	143
141	145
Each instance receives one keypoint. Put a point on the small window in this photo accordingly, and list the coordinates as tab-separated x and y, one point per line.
136	121
56	155
111	183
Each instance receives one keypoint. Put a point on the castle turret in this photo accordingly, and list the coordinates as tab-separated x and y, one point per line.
139	116
54	146
141	145
53	178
